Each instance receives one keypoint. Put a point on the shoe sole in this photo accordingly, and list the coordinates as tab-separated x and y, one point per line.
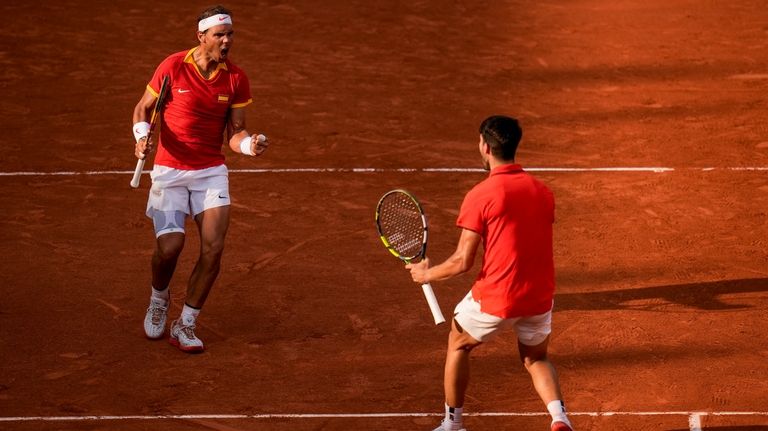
159	337
194	349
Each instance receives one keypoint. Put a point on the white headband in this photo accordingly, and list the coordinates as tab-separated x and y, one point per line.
213	21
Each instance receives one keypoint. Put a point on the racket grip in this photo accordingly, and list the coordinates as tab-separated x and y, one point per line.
137	173
433	305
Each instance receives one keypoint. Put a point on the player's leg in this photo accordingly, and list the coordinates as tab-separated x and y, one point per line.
456	375
167	207
470	328
212	225
164	260
542	372
533	341
165	257
209	201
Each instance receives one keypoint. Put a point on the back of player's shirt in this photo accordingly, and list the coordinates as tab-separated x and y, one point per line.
514	213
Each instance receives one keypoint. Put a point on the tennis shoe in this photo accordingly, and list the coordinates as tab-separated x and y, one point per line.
561	426
154	320
183	336
447	426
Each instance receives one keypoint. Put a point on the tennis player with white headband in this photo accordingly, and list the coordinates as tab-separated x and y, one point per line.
207	99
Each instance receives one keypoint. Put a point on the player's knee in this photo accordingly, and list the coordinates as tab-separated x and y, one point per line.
212	250
169	246
529	355
529	360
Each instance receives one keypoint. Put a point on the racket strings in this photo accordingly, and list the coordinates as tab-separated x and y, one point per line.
402	225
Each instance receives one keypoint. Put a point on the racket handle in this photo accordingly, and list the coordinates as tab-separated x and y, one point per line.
137	173
433	305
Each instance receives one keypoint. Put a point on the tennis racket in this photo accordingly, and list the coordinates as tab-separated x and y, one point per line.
153	120
402	227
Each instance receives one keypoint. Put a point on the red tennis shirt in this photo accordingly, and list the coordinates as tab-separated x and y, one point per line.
196	110
514	213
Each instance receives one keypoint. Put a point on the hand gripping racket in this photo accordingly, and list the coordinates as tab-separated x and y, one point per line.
402	227
156	111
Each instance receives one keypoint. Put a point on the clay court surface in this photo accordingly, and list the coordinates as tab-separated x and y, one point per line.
660	314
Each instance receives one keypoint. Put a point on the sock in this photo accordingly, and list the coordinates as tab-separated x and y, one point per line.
162	295
189	314
453	416
556	409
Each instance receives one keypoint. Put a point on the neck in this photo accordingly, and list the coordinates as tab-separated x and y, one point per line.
495	163
205	63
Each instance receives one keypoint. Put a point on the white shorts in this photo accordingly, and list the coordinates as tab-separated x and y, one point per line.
176	191
531	330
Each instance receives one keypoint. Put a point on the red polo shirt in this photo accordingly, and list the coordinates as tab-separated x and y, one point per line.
196	110
514	213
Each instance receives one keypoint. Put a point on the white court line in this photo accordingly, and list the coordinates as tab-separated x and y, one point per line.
694	418
651	169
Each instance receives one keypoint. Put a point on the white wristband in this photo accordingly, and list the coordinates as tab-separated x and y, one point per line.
245	145
140	130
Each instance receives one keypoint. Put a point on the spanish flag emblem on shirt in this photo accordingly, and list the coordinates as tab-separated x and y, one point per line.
223	98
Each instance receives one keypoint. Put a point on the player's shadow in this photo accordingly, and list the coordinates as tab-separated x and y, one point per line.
701	296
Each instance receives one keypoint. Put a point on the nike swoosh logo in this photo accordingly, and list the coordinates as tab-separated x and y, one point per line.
183	91
223	197
222	18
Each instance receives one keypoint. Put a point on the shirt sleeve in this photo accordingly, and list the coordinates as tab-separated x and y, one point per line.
157	78
242	91
471	213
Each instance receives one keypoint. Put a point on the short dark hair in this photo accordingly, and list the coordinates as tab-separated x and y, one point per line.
213	10
502	134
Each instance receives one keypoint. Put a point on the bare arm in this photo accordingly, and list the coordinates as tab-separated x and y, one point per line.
143	109
236	133
459	262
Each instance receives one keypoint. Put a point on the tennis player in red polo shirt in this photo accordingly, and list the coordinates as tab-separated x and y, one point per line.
511	213
207	100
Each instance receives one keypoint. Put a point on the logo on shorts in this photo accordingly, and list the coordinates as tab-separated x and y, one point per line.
223	197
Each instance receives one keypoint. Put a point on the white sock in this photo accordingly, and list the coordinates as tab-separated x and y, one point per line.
162	295
556	409
453	416
189	314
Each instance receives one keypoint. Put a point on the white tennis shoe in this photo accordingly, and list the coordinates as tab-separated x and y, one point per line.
154	320
447	426
183	336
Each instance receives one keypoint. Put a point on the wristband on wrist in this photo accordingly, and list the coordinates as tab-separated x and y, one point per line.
140	130
245	145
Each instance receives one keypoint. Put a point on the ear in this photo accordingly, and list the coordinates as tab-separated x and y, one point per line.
200	36
484	147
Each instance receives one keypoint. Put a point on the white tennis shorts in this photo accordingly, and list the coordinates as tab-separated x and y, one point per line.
177	192
531	330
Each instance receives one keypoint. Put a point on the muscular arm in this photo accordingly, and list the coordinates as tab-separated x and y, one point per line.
459	262
143	109
236	128
236	133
